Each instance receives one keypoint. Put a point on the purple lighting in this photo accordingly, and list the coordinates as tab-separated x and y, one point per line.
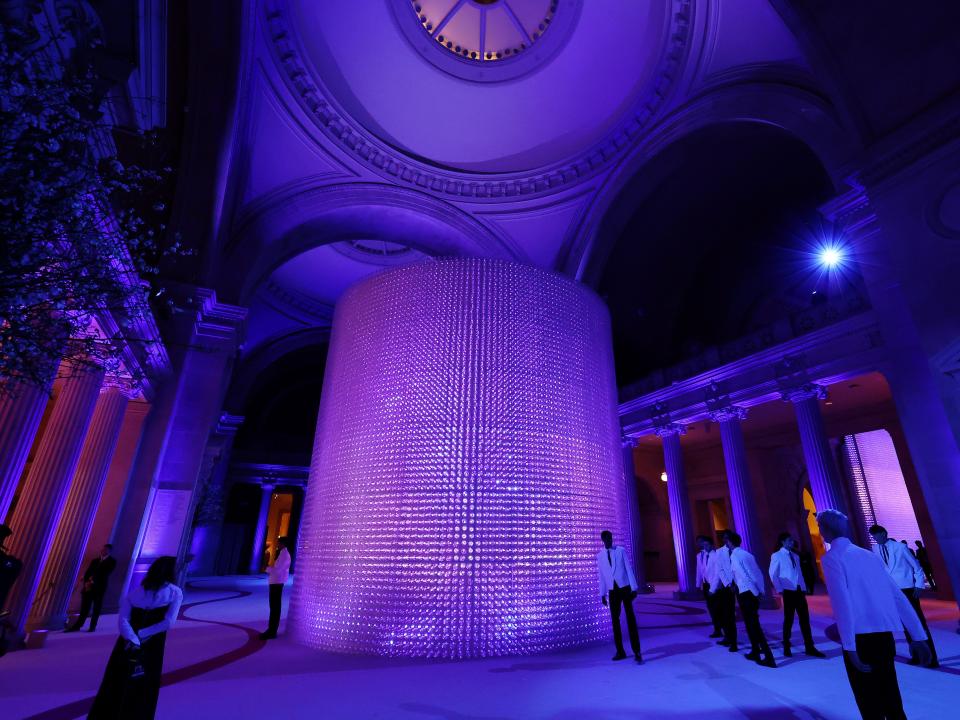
467	457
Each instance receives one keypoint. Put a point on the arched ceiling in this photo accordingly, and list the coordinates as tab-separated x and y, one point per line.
716	244
561	108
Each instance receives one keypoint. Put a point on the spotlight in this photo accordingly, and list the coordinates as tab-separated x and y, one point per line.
663	476
831	256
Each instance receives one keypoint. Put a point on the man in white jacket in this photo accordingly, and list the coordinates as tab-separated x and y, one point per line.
748	577
618	586
277	575
906	572
869	608
787	578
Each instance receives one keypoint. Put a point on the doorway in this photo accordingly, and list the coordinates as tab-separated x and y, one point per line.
279	518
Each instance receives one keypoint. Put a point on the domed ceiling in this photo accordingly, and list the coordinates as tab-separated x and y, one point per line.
592	66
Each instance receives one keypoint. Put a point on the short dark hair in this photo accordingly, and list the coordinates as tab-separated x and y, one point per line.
877	529
108	546
734	538
781	537
606	534
704	538
162	572
285	541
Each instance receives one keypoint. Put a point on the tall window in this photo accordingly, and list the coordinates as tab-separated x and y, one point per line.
880	489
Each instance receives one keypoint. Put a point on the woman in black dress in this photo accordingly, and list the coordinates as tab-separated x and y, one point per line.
131	682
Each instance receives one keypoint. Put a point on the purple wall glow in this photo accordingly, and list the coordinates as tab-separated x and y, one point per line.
467	457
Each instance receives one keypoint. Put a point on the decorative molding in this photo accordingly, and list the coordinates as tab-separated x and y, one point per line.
400	168
216	320
670	429
730	412
838	352
807	391
228	424
316	309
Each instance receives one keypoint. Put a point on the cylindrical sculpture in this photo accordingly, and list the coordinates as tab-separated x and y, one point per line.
467	457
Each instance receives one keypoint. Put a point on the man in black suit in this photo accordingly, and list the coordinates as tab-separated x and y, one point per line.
94	587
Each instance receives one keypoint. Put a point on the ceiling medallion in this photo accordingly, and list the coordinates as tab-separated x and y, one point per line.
485	30
487	40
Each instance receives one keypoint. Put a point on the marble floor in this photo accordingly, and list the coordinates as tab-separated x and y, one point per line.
216	667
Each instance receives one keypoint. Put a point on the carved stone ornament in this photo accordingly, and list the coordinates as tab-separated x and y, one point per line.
730	412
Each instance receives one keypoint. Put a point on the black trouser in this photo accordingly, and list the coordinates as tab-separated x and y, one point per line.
750	609
623	596
726	609
712	608
92	600
915	602
276	595
876	692
795	601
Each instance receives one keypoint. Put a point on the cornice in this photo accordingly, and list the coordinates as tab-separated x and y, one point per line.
402	169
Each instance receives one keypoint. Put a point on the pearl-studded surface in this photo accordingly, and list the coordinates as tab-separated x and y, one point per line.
467	457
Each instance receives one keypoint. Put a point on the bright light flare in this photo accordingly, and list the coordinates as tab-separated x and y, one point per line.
831	257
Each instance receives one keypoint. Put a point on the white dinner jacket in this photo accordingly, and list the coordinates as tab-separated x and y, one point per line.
903	567
618	572
746	573
719	569
785	573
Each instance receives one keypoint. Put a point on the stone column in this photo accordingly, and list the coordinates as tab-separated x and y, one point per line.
21	409
636	526
260	534
208	520
108	509
825	483
63	563
161	502
48	482
681	517
738	478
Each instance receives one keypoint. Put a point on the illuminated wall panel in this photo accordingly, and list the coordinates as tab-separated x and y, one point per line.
878	484
466	459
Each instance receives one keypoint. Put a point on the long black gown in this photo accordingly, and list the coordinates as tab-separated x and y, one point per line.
126	698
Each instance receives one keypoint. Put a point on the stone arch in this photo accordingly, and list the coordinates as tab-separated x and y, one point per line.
297	219
800	113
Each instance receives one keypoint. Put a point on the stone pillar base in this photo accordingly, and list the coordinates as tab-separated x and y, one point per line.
688	595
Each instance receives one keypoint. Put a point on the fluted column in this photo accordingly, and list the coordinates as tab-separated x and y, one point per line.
738	478
260	535
48	482
681	518
21	409
825	483
63	563
633	512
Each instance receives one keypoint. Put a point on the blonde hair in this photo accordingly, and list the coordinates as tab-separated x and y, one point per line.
836	521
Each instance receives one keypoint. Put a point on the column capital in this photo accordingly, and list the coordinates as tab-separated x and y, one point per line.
729	412
627	442
807	391
126	386
670	428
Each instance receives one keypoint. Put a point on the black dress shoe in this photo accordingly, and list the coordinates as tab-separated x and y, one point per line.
813	652
716	634
787	652
723	642
753	655
732	648
638	658
71	629
768	661
619	656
